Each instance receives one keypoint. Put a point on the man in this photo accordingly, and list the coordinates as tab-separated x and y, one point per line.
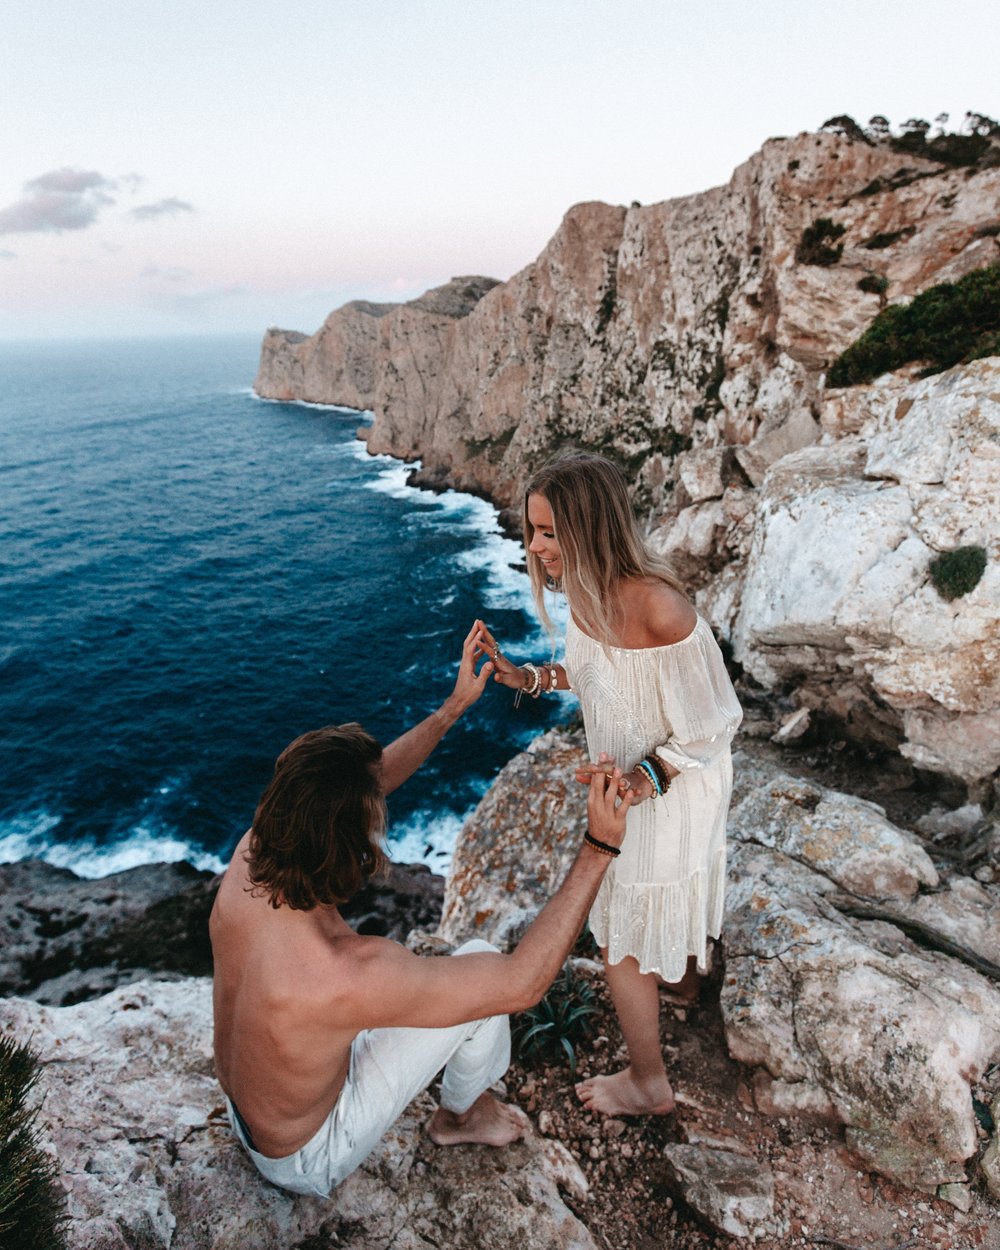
323	1036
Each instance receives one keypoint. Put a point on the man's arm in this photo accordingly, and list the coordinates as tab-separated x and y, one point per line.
395	988
402	758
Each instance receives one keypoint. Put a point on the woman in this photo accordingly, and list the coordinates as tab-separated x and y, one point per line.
657	701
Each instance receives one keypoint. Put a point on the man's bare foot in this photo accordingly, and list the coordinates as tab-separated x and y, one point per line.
487	1121
621	1094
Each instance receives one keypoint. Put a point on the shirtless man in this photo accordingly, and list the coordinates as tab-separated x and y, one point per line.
323	1036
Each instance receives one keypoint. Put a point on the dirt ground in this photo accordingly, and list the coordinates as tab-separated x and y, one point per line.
823	1196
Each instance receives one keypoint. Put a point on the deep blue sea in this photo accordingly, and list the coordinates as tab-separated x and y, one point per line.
191	576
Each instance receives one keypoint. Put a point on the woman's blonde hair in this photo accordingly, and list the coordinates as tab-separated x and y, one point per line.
598	538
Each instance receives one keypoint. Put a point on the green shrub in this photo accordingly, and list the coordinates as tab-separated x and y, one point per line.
944	326
955	573
32	1206
874	284
553	1028
888	237
814	246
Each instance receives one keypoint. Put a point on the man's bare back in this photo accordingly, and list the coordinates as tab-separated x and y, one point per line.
280	980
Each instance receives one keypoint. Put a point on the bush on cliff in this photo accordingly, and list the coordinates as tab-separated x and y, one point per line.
814	245
945	325
955	573
32	1207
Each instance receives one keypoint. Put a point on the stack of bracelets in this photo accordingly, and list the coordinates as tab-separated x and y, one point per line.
534	686
652	766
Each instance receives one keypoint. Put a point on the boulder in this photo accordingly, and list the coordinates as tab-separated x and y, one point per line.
64	938
515	848
846	1012
732	1193
132	1112
837	595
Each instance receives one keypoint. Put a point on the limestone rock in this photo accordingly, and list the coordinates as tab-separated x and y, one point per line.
853	1012
337	364
848	840
733	1193
64	938
989	1166
133	1114
515	848
836	584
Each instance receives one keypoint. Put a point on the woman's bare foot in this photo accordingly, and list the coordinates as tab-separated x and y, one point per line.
621	1094
487	1121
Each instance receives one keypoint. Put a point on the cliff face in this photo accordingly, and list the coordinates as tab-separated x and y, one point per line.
651	329
690	340
339	363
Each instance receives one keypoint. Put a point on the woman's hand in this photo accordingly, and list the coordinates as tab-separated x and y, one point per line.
469	684
506	673
635	783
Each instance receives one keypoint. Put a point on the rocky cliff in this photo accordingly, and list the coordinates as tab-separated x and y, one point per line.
855	988
694	322
690	340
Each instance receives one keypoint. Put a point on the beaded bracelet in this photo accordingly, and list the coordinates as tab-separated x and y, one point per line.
598	845
534	686
644	768
658	767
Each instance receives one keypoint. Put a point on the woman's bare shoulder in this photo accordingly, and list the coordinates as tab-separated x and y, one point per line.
668	615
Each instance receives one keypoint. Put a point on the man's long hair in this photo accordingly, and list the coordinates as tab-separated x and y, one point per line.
599	541
317	829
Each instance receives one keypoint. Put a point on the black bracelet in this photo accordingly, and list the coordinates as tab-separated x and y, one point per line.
598	845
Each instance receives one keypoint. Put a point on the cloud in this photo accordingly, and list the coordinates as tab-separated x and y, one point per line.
162	208
73	199
6	254
69	181
173	273
62	199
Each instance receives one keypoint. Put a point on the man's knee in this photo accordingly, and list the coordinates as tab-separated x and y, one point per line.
476	946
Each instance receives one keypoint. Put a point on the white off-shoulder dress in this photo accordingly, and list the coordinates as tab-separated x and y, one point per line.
662	897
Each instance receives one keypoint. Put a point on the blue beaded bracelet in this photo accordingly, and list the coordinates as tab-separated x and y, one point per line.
653	779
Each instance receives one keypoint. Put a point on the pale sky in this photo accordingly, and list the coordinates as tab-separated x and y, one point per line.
173	167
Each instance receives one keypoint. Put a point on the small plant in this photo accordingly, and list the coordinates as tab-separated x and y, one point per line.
888	237
955	573
554	1027
814	246
945	325
32	1207
874	284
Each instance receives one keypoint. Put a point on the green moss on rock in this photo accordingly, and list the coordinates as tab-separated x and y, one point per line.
955	573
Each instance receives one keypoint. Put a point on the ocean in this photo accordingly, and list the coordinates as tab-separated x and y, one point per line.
191	576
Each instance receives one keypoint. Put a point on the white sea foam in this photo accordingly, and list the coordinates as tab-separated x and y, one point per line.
427	837
25	837
303	403
28	837
392	481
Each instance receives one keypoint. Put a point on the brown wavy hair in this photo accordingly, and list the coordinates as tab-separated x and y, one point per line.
599	541
316	833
